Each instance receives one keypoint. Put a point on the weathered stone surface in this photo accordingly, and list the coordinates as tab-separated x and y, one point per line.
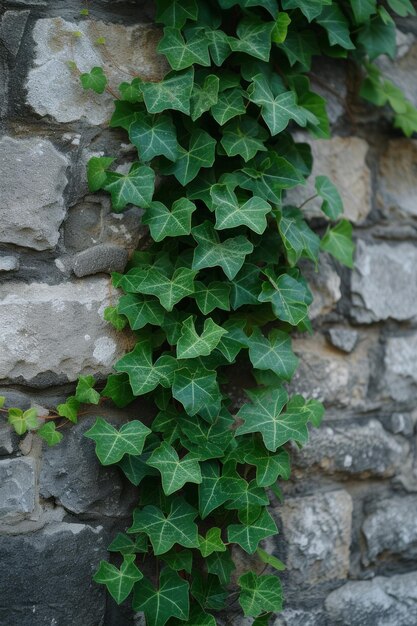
391	527
384	282
7	439
354	449
295	617
401	423
402	71
400	380
55	566
78	341
328	375
12	27
17	488
317	534
9	263
53	89
92	222
324	285
31	203
397	182
72	474
100	258
343	338
342	159
383	601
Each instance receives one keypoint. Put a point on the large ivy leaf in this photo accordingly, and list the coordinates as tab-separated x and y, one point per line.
300	46
363	9
211	252
154	136
163	222
199	154
219	46
254	38
337	26
215	295
248	536
269	177
191	345
264	415
310	8
176	12
298	238
175	472
166	530
211	491
231	344
118	389
273	354
222	565
338	242
230	213
113	444
259	594
141	310
97	172
230	103
154	282
174	92
377	38
205	96
170	599
290	298
244	137
119	582
179	561
136	468
196	388
136	187
124	544
145	376
245	286
183	53
269	5
268	466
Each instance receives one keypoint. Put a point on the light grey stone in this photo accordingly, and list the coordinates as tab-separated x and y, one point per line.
17	488
354	449
343	338
9	263
100	258
391	528
55	90
342	159
397	181
325	286
12	27
57	566
297	617
317	535
382	601
7	439
330	376
401	423
59	329
400	379
384	282
31	203
72	474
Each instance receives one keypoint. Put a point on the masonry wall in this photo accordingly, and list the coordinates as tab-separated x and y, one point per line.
349	530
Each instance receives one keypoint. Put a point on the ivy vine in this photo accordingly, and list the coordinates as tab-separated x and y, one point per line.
218	290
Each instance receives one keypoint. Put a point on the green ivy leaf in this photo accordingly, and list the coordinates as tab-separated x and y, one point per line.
337	26
230	103
97	172
173	92
136	187
207	440
95	79
259	594
175	472
244	137
145	376
270	559
280	30
268	466
112	444
50	434
132	92
407	121
402	7
176	12
248	536
300	46
289	297
199	154
332	202
245	286
179	561
230	213
271	176
363	9
171	599
273	354
118	389
124	544
153	136
205	96
219	46
377	38
165	531
119	582
141	310
84	392
163	222
182	53
221	565
23	421
338	242
196	388
254	38
310	8
112	316
155	282
69	409
212	542
211	252
211	492
298	238
215	295
191	345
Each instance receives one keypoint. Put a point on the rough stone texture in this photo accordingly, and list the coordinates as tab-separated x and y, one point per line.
72	474
9	263
384	282
53	89
7	440
100	258
391	527
293	617
354	449
402	70
325	287
317	534
342	159
56	567
17	488
400	381
343	338
398	178
383	601
12	27
31	186
32	346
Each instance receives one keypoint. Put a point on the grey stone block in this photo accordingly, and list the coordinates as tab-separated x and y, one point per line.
17	488
382	601
354	449
12	27
9	263
343	338
56	566
391	527
72	474
8	440
400	379
31	203
325	286
397	183
317	535
60	329
384	282
100	258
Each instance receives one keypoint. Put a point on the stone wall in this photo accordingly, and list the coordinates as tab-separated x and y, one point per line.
349	530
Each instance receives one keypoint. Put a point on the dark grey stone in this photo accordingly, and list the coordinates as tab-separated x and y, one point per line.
12	27
101	258
343	338
382	601
17	488
72	474
47	577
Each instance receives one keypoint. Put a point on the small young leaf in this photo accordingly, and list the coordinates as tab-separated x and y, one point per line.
84	392
332	202
338	242
49	433
23	421
95	80
259	594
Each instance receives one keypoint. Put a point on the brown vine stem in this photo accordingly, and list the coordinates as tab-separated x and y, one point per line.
316	195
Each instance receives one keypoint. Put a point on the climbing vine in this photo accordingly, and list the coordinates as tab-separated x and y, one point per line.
216	292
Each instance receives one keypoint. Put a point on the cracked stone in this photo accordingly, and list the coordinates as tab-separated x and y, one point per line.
17	488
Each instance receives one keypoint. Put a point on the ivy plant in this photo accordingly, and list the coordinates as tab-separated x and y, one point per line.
218	290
